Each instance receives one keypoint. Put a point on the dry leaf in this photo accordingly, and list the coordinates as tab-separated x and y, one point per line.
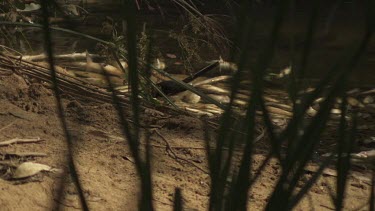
368	100
30	7
72	9
28	169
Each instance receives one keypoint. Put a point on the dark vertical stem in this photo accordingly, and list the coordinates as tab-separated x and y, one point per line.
178	206
129	12
308	39
60	111
372	196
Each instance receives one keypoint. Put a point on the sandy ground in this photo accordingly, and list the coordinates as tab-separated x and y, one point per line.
104	161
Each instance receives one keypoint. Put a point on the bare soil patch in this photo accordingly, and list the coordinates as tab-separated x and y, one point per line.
105	165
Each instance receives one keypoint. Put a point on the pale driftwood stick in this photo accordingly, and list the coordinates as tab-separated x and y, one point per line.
212	80
73	56
244	92
224	99
270	99
24	154
198	112
79	87
215	111
282	112
277	112
213	89
243	97
280	105
20	141
240	102
74	86
368	92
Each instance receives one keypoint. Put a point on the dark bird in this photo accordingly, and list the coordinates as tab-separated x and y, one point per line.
171	87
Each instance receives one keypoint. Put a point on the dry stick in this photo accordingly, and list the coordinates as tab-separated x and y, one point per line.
9	50
73	85
213	89
180	147
277	108
24	154
5	72
199	112
281	106
174	154
72	81
76	90
68	81
368	92
8	125
212	80
20	141
215	125
26	65
73	56
261	135
169	147
83	88
76	87
282	112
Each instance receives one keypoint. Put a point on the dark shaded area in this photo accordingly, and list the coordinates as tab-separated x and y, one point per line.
339	28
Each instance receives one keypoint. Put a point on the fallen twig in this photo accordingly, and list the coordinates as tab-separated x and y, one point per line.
23	154
20	141
174	155
8	125
212	80
73	56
